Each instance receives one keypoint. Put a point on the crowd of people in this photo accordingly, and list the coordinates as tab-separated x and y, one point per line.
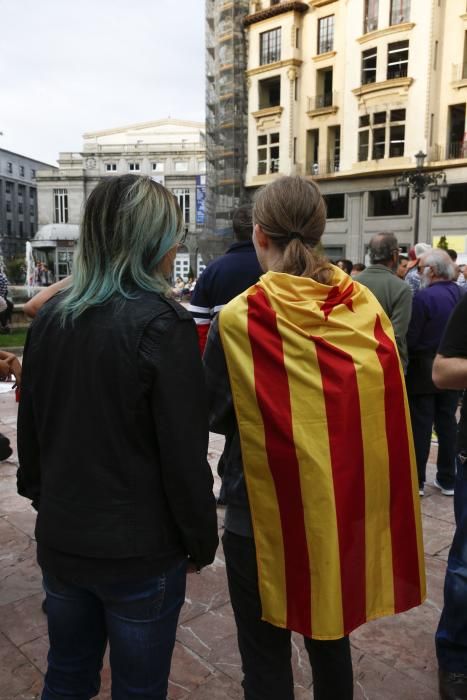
315	374
42	276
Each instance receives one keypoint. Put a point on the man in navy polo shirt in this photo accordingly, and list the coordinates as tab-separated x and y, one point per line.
227	276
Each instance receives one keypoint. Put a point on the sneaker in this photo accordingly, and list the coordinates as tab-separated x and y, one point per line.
421	491
452	686
445	492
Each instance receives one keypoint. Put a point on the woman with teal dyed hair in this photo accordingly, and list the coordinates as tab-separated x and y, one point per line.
122	487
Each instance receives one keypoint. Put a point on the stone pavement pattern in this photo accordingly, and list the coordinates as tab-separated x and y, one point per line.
394	658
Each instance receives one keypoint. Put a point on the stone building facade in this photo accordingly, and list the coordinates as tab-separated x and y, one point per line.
18	202
170	150
348	91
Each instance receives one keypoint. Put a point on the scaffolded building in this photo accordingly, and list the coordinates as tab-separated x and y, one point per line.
226	120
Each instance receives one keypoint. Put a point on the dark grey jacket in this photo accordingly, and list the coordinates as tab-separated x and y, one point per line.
395	297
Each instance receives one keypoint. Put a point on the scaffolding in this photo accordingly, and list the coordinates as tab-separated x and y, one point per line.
226	121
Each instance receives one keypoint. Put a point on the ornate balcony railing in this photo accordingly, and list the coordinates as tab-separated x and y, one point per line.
324	167
327	99
451	151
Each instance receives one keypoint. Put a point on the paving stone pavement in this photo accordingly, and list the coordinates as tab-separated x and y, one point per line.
394	658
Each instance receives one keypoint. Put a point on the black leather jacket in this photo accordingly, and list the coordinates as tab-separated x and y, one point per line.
112	439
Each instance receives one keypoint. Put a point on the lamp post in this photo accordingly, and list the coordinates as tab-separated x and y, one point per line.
418	182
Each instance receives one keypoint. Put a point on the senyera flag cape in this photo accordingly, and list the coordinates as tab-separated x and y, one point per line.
327	451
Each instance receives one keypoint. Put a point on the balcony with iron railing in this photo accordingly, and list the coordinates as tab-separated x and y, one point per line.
456	150
399	70
323	103
321	168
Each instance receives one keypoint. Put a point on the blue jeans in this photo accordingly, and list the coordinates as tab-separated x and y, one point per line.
451	635
139	620
438	409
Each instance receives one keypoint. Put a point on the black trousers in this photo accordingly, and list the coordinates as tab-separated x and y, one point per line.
438	409
266	650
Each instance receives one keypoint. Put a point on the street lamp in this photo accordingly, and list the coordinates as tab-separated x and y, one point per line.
419	181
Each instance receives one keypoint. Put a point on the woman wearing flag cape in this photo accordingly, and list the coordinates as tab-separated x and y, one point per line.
322	527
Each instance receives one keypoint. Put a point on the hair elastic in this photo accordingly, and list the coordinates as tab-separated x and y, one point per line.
297	235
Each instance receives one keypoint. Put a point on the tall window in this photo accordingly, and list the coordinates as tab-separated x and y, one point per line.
398	60
9	167
334	148
369	66
396	133
61	206
363	144
270	46
268	154
370	22
183	198
382	135
400	11
326	34
379	142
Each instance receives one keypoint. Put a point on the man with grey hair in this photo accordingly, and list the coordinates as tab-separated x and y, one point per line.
413	277
432	306
391	292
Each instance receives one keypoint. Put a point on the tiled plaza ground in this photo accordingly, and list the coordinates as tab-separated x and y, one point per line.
393	658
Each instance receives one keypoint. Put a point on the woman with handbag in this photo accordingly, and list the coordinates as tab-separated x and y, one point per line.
123	490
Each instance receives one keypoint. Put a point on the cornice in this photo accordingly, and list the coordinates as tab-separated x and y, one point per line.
260	180
393	29
322	111
367	89
275	10
267	112
320	3
274	66
459	84
323	56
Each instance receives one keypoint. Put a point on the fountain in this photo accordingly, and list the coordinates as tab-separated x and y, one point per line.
30	269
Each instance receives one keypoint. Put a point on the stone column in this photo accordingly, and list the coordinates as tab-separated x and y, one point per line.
354	242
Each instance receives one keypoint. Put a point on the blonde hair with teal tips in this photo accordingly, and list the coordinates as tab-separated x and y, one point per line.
129	224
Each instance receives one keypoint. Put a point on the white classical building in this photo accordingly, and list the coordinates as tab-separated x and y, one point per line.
349	91
170	150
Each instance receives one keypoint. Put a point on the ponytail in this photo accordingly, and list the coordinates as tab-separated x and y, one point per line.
292	213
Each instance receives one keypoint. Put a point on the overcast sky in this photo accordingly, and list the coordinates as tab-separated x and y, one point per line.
72	66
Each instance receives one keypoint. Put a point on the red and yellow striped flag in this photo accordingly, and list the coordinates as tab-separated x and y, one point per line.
327	451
